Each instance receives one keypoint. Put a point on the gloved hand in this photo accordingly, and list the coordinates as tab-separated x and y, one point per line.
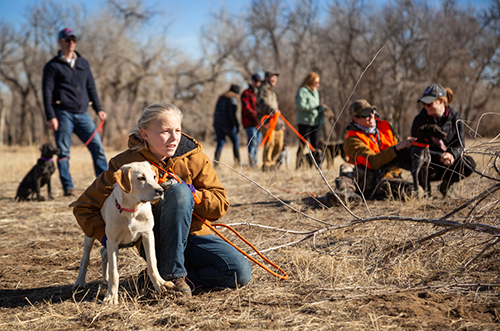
168	183
191	187
104	240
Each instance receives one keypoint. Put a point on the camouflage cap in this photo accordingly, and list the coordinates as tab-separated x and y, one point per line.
361	108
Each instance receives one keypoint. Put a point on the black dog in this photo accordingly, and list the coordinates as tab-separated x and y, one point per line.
318	156
331	151
39	175
306	159
421	156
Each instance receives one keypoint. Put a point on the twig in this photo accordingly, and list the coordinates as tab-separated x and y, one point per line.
453	225
488	191
494	242
436	234
274	196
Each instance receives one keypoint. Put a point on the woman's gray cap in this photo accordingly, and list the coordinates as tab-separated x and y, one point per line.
432	92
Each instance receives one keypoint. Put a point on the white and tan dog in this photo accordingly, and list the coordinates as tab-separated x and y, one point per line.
128	216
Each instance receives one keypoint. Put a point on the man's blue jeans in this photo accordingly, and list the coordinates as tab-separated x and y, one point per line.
83	126
232	132
254	138
207	261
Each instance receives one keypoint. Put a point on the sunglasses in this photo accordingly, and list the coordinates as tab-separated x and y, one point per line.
366	116
68	40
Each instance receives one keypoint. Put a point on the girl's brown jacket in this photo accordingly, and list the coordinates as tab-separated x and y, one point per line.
188	163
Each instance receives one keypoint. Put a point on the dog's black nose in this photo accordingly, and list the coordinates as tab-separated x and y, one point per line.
159	191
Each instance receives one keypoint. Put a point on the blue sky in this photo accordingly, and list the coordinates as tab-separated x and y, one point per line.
188	15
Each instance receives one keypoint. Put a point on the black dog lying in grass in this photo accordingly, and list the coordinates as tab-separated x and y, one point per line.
39	175
332	150
421	156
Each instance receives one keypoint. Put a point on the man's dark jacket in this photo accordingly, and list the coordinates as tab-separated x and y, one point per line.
225	110
68	89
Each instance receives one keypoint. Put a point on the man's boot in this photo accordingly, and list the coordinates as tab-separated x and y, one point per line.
237	162
216	159
346	191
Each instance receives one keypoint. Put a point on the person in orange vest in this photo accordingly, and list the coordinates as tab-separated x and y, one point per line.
375	156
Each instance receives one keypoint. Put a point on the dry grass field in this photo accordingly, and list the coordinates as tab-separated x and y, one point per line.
382	272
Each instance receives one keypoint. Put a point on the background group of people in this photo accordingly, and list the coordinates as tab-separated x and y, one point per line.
187	252
261	118
375	153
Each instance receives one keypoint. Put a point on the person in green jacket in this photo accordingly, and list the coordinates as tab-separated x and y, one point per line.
309	113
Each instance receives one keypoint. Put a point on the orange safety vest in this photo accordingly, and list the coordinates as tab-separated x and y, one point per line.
376	143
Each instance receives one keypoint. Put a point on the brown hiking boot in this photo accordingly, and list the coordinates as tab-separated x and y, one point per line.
181	286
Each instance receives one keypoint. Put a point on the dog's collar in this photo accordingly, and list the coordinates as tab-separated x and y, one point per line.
420	144
45	159
124	209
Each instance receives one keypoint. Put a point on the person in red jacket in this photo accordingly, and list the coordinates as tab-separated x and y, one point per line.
249	118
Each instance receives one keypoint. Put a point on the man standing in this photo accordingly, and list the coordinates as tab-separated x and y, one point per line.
249	118
267	105
375	157
68	89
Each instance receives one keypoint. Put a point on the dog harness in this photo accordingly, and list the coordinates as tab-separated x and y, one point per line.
417	144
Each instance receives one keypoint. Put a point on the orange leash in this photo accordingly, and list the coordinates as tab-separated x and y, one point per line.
298	134
212	227
284	275
273	121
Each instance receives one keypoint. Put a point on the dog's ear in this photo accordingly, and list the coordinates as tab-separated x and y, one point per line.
122	177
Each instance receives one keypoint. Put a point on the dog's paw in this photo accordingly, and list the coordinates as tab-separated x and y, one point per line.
168	285
78	285
40	198
161	285
110	299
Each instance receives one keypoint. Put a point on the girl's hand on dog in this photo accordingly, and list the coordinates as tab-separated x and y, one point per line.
447	159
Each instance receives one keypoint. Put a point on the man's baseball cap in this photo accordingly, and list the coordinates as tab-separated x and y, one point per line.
432	92
272	73
66	33
361	108
256	77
